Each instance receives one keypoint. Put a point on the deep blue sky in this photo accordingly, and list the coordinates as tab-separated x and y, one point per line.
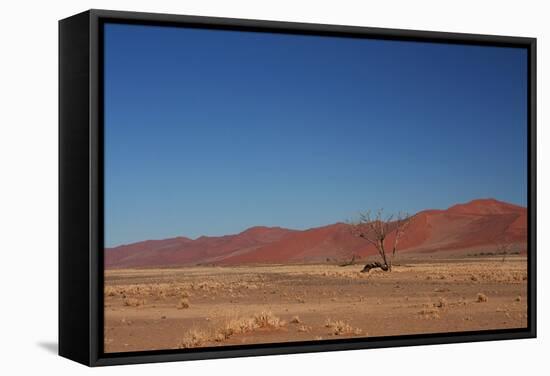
210	132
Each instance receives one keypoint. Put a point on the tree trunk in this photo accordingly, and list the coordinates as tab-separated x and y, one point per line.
374	265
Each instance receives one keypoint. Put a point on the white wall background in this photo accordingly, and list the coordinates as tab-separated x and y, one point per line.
28	184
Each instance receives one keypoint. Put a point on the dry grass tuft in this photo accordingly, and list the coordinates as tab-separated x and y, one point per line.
110	291
442	303
249	324
193	338
236	326
183	304
266	319
481	298
303	329
133	302
340	327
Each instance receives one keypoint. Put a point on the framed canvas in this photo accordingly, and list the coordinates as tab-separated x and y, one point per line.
236	187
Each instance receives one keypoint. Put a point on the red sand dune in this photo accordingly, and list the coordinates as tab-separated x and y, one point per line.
479	223
182	251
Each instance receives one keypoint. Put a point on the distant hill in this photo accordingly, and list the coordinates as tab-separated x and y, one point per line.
479	223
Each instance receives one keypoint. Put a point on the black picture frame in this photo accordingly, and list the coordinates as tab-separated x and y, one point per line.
81	187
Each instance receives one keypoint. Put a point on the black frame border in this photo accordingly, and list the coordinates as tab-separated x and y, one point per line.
95	20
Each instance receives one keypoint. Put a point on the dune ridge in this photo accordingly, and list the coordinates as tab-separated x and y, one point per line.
478	223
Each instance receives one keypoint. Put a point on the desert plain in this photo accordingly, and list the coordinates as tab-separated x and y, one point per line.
205	306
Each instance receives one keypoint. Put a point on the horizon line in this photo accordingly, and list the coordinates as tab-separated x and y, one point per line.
298	229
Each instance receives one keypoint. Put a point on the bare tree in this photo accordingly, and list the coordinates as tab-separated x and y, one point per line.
503	249
376	230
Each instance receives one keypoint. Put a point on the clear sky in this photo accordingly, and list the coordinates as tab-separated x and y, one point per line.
210	132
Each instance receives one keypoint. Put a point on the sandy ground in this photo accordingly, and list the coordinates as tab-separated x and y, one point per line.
151	309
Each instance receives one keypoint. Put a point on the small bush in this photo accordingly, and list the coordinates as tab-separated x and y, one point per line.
183	304
442	303
481	298
237	326
194	338
245	325
268	320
